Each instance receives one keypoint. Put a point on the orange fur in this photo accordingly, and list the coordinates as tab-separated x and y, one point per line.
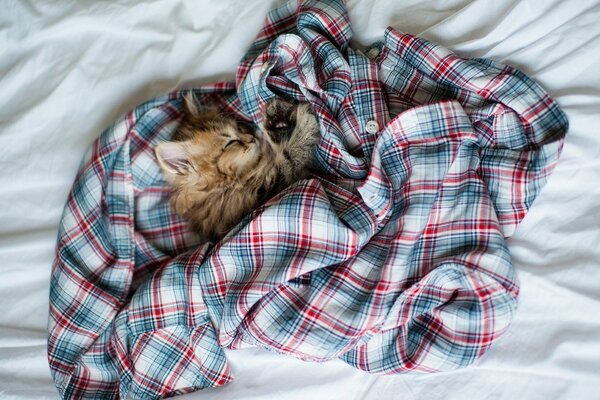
220	170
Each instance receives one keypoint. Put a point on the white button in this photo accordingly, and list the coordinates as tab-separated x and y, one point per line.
372	127
264	67
373	52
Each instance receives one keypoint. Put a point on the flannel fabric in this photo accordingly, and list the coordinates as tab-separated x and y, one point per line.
394	260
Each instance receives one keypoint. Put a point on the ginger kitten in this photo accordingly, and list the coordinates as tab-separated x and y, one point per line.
220	169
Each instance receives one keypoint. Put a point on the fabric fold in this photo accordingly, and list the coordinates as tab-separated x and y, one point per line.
393	259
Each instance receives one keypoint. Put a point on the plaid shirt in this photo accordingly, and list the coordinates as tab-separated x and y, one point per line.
394	261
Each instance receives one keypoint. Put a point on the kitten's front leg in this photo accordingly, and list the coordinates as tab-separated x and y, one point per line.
279	120
293	131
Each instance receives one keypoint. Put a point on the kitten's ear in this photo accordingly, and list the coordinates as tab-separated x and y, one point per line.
190	105
200	115
173	159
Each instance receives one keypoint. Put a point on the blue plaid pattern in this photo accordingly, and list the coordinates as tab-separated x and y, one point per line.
393	261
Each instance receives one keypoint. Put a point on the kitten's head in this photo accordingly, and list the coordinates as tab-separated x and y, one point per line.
221	169
209	148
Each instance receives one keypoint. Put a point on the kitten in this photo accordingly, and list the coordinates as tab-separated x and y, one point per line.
220	169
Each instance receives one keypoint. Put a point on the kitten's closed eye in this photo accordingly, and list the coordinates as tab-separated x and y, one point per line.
235	141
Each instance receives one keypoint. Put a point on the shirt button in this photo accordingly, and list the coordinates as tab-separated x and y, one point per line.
372	127
264	67
373	52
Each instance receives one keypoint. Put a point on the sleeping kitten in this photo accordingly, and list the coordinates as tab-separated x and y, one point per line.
220	169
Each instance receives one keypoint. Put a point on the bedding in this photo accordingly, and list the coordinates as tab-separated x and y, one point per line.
552	348
394	260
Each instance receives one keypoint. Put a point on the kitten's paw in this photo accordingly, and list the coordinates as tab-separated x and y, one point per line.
280	119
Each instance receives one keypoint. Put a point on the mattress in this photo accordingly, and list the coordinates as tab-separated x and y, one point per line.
67	70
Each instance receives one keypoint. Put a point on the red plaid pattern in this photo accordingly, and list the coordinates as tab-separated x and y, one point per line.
394	261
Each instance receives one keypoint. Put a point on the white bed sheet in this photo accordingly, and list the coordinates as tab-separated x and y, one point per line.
68	69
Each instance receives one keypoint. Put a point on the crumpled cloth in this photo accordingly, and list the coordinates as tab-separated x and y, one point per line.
394	260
